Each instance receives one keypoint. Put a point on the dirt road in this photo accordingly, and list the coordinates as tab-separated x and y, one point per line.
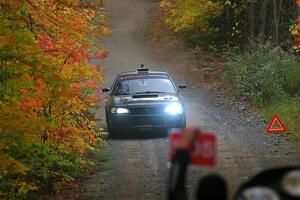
139	168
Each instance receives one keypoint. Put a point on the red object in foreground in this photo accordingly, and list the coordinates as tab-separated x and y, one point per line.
204	152
276	120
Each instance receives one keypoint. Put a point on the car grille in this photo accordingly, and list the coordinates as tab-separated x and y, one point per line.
148	121
146	110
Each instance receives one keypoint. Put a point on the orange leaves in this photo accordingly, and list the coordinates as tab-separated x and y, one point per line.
16	1
103	55
167	4
46	42
8	40
295	29
81	137
48	82
56	77
33	97
66	48
30	106
53	82
8	163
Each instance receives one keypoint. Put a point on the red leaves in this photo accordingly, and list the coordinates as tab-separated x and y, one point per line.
87	84
31	106
103	55
33	97
29	78
47	43
295	32
56	77
16	1
56	82
39	80
297	42
66	47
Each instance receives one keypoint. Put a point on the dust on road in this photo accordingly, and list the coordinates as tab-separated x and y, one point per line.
139	168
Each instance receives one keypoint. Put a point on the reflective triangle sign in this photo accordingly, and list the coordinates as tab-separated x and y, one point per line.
276	125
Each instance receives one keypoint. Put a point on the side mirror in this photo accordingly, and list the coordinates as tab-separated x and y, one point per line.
182	86
105	90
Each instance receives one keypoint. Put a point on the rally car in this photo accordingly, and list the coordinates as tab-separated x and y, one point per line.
142	100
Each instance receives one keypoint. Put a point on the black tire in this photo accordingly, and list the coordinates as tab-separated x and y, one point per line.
112	134
165	132
184	123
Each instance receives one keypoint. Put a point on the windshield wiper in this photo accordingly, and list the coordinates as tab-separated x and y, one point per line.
148	92
124	93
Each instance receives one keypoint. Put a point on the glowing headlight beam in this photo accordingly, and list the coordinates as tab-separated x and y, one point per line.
174	108
119	110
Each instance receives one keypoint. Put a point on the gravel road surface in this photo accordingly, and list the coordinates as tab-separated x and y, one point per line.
139	167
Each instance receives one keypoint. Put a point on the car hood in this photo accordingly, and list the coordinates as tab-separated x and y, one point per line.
145	99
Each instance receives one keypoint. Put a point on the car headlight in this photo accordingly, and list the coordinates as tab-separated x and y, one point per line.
119	110
174	108
291	183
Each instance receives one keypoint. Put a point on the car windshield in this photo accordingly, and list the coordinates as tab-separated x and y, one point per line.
139	84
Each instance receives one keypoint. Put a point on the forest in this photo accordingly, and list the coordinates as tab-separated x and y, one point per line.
255	44
51	74
48	83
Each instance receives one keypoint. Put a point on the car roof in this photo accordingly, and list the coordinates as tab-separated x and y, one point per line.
147	72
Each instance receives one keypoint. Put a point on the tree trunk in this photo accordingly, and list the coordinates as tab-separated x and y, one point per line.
275	15
262	16
251	18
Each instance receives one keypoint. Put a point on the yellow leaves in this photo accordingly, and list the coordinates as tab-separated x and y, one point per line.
10	165
16	122
193	15
24	186
105	31
47	84
166	4
4	41
51	43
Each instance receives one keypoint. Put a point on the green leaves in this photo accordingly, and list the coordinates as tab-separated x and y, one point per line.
46	84
258	74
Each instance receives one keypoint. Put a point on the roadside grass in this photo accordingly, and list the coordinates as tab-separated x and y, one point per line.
289	112
80	188
265	76
270	79
103	158
50	170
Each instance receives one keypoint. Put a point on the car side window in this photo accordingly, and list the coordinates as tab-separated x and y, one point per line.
122	88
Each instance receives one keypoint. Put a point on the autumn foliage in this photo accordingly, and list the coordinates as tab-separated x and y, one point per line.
295	30
50	73
250	46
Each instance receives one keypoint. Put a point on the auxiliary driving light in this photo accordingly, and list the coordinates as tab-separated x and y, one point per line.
174	108
119	110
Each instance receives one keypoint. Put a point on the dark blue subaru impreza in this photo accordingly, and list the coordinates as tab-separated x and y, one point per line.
144	100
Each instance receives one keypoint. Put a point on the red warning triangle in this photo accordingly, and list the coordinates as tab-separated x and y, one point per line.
276	121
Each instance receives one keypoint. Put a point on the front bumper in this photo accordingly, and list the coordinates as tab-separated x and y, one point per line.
131	121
